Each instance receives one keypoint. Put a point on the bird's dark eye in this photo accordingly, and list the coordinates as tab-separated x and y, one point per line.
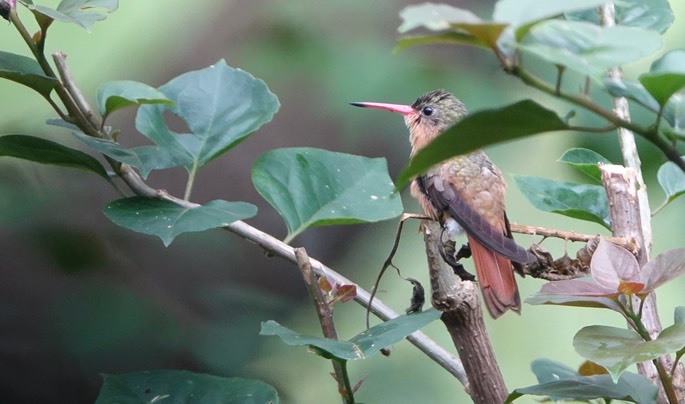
428	111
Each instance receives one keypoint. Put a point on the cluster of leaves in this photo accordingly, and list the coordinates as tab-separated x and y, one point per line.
520	31
221	107
569	37
615	278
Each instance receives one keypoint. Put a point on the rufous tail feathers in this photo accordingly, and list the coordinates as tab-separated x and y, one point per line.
496	279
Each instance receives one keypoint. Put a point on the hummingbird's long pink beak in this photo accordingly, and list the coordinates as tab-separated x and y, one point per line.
402	109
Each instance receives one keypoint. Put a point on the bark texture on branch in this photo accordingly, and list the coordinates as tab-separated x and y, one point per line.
462	315
626	221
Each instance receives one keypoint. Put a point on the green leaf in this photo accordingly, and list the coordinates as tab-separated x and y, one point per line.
180	387
674	114
522	12
26	71
632	91
143	158
449	38
313	187
617	348
167	220
327	348
630	387
649	14
587	48
672	181
221	106
666	76
483	128
48	152
547	370
679	315
116	95
80	12
585	161
580	201
360	346
437	17
384	334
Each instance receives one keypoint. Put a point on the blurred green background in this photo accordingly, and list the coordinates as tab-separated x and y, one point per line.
80	296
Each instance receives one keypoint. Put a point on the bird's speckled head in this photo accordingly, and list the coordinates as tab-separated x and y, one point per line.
427	117
436	111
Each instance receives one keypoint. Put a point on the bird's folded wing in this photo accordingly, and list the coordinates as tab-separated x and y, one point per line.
446	198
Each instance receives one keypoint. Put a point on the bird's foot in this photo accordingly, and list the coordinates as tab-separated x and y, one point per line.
451	257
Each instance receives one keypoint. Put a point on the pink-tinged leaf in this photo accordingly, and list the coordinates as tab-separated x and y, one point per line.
346	292
325	284
576	287
359	384
610	264
663	268
630	288
575	301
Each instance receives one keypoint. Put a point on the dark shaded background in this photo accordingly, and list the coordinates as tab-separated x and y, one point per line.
80	296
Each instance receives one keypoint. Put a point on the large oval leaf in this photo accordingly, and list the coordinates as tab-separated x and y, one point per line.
167	220
26	71
48	152
656	15
523	12
617	348
470	29
116	95
666	76
360	346
585	160
630	387
313	187
483	128
80	12
181	387
588	48
672	180
221	106
580	201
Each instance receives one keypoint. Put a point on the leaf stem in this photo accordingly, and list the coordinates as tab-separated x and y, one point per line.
349	396
191	181
667	382
663	205
665	377
537	83
648	133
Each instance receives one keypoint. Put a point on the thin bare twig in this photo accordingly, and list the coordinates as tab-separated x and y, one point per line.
630	245
324	312
388	261
60	59
276	247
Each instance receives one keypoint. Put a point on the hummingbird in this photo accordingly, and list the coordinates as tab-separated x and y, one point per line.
465	193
